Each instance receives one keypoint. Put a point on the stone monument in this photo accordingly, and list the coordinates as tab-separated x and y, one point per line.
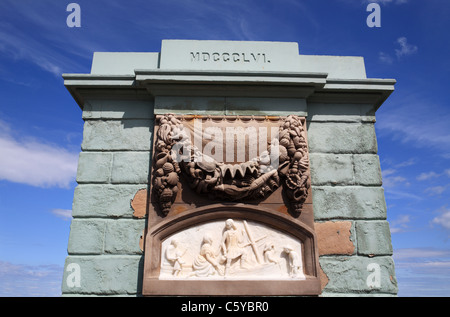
228	168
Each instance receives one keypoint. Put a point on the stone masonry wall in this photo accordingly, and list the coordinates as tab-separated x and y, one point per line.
349	206
105	239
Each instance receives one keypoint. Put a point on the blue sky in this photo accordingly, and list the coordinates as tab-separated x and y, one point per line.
41	125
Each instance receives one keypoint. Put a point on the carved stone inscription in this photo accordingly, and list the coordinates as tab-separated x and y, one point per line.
231	249
232	57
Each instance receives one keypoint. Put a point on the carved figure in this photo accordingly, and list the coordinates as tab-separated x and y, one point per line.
269	253
173	254
207	263
230	245
295	262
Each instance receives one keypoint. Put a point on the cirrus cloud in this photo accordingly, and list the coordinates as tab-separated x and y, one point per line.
34	162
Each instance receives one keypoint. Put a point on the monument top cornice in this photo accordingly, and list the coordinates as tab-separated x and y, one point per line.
232	68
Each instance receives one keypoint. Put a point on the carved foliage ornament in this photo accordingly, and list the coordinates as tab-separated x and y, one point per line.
257	178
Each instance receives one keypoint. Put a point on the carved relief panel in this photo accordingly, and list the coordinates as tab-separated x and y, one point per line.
231	210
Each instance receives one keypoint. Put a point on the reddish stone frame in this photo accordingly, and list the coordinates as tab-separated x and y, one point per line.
191	209
157	234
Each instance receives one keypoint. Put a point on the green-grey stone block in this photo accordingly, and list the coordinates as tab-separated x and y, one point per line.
94	167
348	202
104	275
331	169
117	109
355	274
373	238
340	112
367	169
127	135
123	235
265	106
86	236
327	137
130	167
104	200
190	105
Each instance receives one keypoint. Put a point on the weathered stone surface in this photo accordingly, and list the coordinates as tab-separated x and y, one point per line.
335	237
350	274
331	169
190	105
323	112
122	236
94	167
86	236
374	238
348	202
367	169
118	109
337	137
130	167
129	135
139	203
265	106
105	274
103	200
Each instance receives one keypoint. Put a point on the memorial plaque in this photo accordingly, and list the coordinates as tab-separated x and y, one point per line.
231	209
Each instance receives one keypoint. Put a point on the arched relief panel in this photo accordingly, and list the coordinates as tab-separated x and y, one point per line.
231	249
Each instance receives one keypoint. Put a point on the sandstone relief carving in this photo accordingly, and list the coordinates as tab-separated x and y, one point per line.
231	250
284	163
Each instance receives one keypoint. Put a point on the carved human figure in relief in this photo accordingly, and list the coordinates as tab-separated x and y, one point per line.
295	262
269	253
230	245
174	253
207	263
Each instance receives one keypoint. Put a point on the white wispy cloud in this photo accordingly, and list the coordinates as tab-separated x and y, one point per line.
385	58
400	224
405	122
405	47
443	219
19	280
426	176
422	272
65	214
46	45
391	179
436	190
35	162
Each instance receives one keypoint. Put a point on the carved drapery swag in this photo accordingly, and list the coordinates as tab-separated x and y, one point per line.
257	178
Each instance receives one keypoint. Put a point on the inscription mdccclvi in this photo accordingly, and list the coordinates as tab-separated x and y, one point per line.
229	57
